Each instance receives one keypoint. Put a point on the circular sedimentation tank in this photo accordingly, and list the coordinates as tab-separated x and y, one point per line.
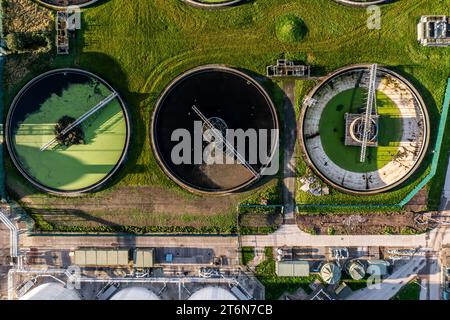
86	156
213	4
59	4
362	3
227	99
330	273
332	124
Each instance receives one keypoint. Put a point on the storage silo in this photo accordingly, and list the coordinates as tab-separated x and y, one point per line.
330	273
135	293
356	270
212	293
51	291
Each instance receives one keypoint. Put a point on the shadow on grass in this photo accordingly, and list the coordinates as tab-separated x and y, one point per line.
109	69
434	114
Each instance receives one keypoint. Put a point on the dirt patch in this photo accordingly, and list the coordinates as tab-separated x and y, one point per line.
26	16
260	220
137	206
418	202
394	223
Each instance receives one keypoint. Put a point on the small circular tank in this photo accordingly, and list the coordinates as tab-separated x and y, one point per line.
356	270
330	273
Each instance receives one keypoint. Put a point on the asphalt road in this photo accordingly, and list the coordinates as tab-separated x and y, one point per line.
290	161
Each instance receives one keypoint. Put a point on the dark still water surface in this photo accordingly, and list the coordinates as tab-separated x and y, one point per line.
217	93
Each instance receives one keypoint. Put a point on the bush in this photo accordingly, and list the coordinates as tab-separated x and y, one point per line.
26	41
290	29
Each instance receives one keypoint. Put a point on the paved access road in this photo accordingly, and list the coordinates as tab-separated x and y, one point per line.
227	246
292	236
290	160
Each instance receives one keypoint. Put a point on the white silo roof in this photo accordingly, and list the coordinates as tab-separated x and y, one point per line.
135	293
330	273
212	293
51	291
356	270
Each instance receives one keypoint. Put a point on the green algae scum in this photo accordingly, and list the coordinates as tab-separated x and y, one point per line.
36	147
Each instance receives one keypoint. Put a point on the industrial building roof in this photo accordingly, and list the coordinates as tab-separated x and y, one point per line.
94	257
143	258
377	267
295	268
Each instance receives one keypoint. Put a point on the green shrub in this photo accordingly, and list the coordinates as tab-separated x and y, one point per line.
247	255
290	29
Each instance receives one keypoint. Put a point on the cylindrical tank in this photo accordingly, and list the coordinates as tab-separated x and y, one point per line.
212	293
330	273
51	291
356	270
135	293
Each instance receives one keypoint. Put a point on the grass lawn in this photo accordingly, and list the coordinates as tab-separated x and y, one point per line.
332	131
140	46
247	255
410	291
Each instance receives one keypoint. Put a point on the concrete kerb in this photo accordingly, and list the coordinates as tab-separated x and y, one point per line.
62	7
212	5
362	4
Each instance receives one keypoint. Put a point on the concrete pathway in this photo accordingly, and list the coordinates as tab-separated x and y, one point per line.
289	164
298	238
